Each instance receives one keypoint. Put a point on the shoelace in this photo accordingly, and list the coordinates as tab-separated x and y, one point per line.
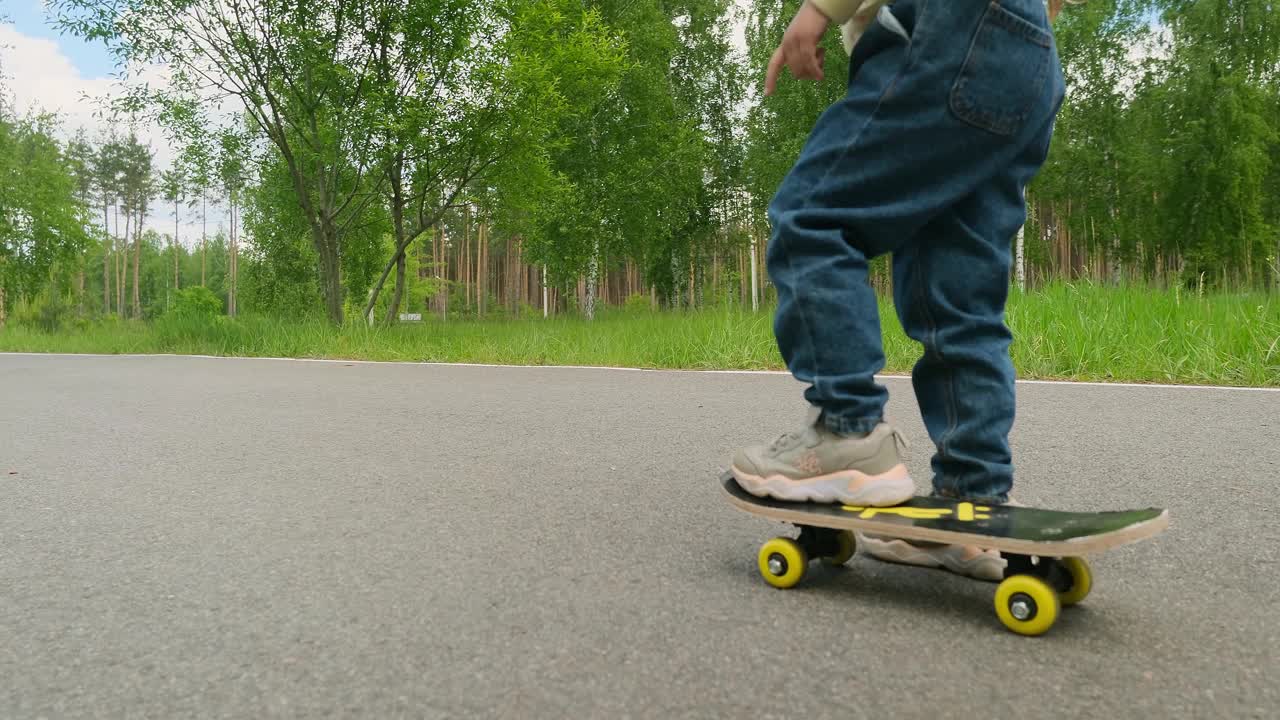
785	441
900	440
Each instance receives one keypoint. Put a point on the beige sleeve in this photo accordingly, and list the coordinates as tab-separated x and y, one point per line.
837	11
852	30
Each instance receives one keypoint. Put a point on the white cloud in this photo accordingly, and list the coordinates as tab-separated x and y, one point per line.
38	76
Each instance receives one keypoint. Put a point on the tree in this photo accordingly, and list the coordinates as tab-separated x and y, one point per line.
106	162
301	72
79	159
41	221
197	159
283	265
173	183
1165	146
487	117
1222	79
232	150
138	186
637	177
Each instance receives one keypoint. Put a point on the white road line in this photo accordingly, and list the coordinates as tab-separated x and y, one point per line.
620	369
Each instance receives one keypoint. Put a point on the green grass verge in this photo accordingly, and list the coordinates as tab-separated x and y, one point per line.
1065	331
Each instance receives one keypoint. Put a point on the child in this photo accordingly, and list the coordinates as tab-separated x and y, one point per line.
947	117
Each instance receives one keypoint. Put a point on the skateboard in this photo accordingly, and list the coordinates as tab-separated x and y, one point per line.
1044	549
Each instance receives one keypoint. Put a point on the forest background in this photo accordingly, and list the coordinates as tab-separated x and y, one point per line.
559	181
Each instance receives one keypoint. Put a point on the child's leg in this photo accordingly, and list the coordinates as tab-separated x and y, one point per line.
926	122
938	107
964	381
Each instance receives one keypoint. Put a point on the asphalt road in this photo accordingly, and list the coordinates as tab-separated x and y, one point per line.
190	537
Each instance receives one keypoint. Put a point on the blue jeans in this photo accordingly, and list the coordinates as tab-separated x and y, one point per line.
948	116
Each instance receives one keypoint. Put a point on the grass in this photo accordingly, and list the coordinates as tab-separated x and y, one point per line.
1065	331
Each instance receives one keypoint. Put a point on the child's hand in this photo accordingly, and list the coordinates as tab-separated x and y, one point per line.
799	49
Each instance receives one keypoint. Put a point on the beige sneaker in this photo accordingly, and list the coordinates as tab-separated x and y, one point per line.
817	465
968	560
965	560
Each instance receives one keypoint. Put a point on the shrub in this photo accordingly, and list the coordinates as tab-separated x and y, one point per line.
196	303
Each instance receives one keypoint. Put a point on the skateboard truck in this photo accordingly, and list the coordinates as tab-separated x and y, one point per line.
1050	570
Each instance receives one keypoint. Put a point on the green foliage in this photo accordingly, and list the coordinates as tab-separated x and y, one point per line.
777	126
281	266
49	315
42	217
1068	331
1165	150
196	303
637	303
643	159
196	319
592	134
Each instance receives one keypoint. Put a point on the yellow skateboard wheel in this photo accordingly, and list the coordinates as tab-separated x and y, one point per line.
782	562
847	547
1081	580
1026	605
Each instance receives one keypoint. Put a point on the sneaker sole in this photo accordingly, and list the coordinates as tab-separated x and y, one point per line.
845	486
897	551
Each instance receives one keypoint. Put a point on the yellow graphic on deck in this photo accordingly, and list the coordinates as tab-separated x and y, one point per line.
964	512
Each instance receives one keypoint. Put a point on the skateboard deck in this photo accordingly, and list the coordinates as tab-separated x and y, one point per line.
1023	530
1042	549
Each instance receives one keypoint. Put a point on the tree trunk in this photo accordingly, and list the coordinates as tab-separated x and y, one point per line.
393	309
396	258
122	267
1020	259
397	222
505	297
330	278
603	296
137	262
464	261
692	289
1062	238
106	265
483	288
521	277
175	245
593	269
4	311
233	263
204	233
435	271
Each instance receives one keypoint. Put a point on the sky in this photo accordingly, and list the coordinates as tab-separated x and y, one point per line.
63	74
28	17
45	71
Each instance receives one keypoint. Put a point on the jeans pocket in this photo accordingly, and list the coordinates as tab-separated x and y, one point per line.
1004	74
